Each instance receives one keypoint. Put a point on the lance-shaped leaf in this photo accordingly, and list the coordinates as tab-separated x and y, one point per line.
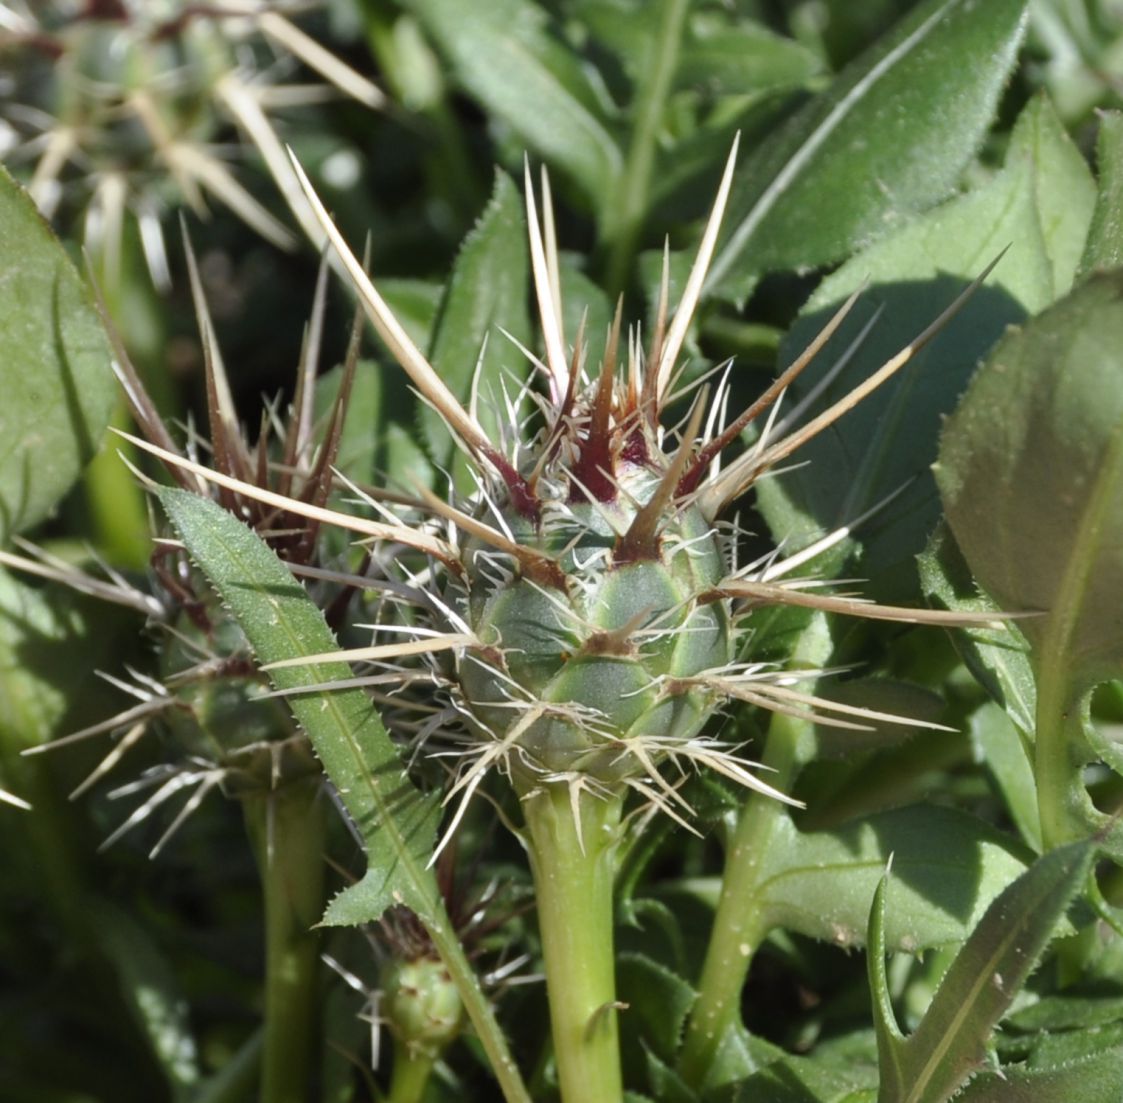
1093	1078
889	137
503	53
950	1043
396	822
486	292
55	374
1031	474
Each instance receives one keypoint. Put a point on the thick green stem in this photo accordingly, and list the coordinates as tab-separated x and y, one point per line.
624	218
410	1075
574	866
288	831
739	924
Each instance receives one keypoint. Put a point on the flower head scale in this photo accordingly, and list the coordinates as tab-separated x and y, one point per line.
582	605
118	105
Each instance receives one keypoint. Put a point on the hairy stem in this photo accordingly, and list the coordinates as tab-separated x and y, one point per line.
288	831
574	866
740	923
624	217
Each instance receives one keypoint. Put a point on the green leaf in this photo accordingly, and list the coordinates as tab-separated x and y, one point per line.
56	379
886	1028
1029	471
44	636
840	1070
820	883
1064	190
658	1001
988	972
881	695
889	137
505	56
721	52
727	56
1093	1079
890	439
1001	747
415	304
487	290
1104	248
1069	1013
397	824
999	658
395	821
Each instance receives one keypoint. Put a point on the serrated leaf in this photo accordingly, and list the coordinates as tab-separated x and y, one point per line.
1104	248
890	439
1092	1079
666	1085
486	290
658	1001
55	376
505	56
397	824
886	1028
887	138
1029	471
820	883
1068	1013
727	56
987	973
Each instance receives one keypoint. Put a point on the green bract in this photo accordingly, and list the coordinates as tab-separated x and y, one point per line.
573	670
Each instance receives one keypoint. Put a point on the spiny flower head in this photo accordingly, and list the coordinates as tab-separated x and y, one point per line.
579	611
119	105
208	696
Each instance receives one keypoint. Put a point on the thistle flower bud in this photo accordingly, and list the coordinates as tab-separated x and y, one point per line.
119	104
421	1006
573	667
